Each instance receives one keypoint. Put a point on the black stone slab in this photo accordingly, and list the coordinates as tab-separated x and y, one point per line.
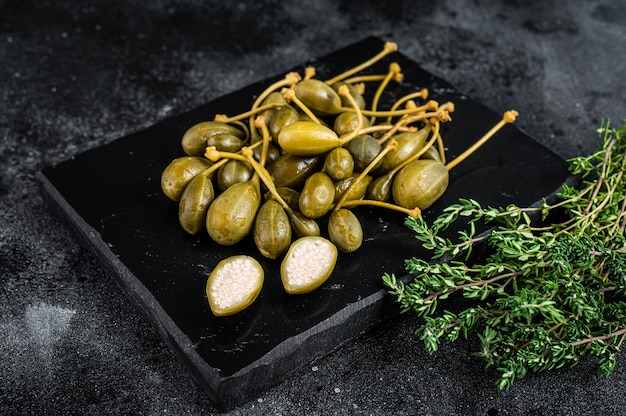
111	197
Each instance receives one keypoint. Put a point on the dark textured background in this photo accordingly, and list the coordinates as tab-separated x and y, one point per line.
77	74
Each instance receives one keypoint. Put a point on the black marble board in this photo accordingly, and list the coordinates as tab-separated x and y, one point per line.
111	197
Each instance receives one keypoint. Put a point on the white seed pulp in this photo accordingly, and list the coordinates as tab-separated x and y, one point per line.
308	264
234	284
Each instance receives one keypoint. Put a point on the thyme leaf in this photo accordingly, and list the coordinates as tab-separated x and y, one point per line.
544	294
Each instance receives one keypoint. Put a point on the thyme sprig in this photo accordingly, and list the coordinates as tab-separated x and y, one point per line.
550	285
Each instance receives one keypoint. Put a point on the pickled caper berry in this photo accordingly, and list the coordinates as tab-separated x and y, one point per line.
234	284
345	231
194	140
194	203
308	264
318	96
420	183
179	172
272	230
231	215
339	163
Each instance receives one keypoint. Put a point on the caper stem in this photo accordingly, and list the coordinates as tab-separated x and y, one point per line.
259	170
259	123
291	78
218	163
290	95
448	106
392	145
245	129
360	88
508	117
418	154
388	48
440	146
309	72
439	114
423	94
429	106
415	212
394	68
223	118
372	78
385	127
345	91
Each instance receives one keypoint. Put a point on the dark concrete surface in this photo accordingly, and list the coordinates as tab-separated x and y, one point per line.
77	74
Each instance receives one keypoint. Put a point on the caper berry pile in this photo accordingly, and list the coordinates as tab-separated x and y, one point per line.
305	150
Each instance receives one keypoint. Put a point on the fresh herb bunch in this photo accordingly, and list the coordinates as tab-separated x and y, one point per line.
546	293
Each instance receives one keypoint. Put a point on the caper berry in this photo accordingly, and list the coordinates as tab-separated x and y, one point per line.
283	117
420	183
306	138
179	172
194	140
409	143
232	172
345	231
194	203
225	142
354	192
317	195
291	171
347	122
339	163
234	284
308	264
364	149
231	215
272	230
318	96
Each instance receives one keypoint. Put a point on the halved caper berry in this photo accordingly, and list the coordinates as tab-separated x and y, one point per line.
234	284
308	264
